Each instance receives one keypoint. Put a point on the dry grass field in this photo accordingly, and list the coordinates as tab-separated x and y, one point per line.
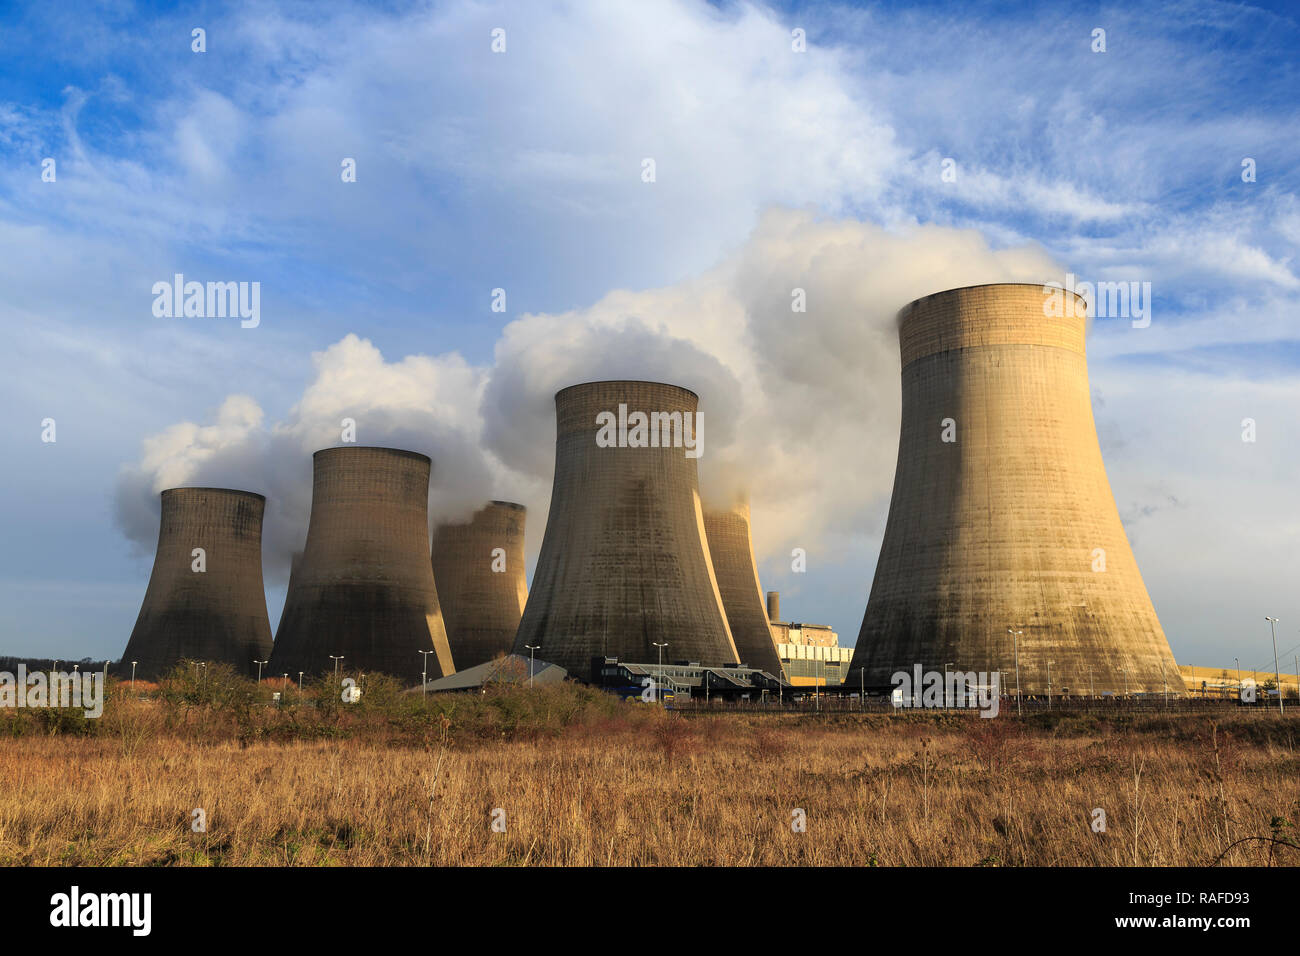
583	779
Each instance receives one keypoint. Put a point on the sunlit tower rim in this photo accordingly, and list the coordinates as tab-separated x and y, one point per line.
731	548
1011	522
217	614
478	567
624	560
364	587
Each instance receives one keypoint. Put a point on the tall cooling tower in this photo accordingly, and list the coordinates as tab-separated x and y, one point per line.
218	613
1009	524
624	562
732	549
479	567
364	587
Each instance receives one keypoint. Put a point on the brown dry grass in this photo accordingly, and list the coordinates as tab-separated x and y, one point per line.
587	781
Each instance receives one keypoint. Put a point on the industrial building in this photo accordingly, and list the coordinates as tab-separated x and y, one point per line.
624	565
364	588
205	600
512	669
1003	544
731	549
810	654
478	566
682	680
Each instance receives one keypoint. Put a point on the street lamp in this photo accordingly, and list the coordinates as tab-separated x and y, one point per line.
1237	660
946	665
1277	674
1164	681
259	669
1049	684
336	658
1092	688
532	649
133	663
424	674
1015	644
658	691
300	684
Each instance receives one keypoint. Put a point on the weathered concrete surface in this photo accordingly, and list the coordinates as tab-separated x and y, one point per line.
364	587
214	615
624	562
481	605
731	548
1004	526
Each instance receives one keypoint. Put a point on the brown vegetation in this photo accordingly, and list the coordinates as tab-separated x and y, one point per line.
585	779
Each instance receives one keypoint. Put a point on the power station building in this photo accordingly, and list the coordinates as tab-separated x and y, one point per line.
731	549
624	564
810	654
479	569
1003	542
364	588
205	600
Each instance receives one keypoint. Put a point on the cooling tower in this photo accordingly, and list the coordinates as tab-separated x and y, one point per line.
479	567
1002	516
216	614
732	550
624	562
364	587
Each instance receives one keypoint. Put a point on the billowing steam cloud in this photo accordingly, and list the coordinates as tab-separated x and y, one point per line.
801	407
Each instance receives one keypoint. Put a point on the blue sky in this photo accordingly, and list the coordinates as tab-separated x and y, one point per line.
522	170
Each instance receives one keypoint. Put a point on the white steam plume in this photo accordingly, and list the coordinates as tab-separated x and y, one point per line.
801	408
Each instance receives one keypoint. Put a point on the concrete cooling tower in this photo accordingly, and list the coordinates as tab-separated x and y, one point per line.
732	550
1002	516
479	567
214	614
624	562
364	587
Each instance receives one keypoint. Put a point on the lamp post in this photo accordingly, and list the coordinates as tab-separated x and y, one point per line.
424	673
259	669
1049	684
300	685
133	663
946	665
336	658
1237	661
1092	688
1164	681
1277	674
658	688
532	650
1015	644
